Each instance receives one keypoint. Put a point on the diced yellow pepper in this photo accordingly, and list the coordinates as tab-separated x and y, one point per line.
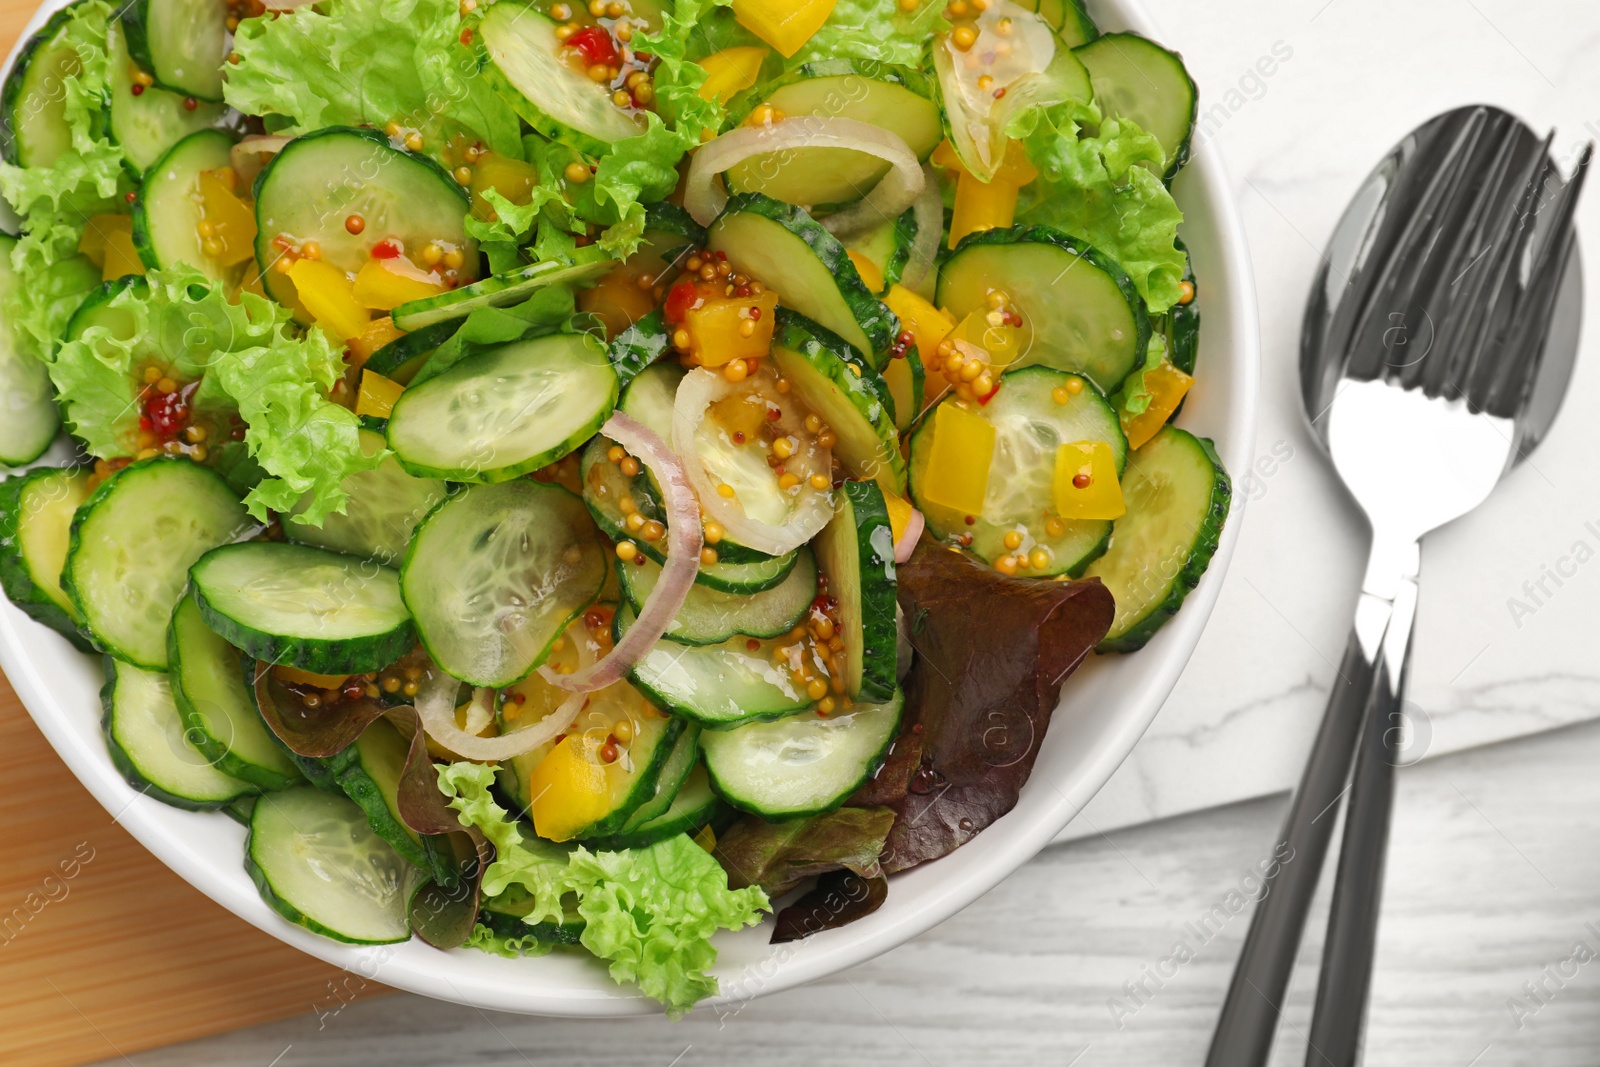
899	509
571	787
385	284
730	71
1167	386
1086	485
378	333
927	323
717	328
318	681
706	838
870	272
121	257
983	205
957	474
329	298
250	282
511	178
232	222
784	24
377	395
95	233
1003	342
618	300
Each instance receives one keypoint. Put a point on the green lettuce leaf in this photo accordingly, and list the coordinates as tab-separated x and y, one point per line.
511	948
369	62
1134	397
249	361
1098	188
650	912
875	31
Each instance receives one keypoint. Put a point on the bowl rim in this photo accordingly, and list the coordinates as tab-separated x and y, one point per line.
1013	844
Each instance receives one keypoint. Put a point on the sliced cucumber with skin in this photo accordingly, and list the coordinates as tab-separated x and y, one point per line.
382	509
505	412
1136	79
147	124
887	246
604	485
1181	323
846	394
36	511
639	347
717	686
808	268
1030	425
1067	17
371	778
506	914
693	807
494	575
1080	311
907	381
856	552
709	617
318	864
33	123
682	760
131	547
29	418
317	181
495	291
400	359
304	607
898	100
1178	497
219	712
802	765
146	738
524	61
168	212
181	43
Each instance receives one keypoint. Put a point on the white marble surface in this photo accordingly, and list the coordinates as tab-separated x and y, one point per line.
1493	870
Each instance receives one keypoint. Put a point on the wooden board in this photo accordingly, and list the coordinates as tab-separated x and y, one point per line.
103	950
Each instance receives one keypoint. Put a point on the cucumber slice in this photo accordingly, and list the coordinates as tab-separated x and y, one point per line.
95	310
317	181
319	865
856	552
847	394
36	512
1081	312
604	486
371	778
400	359
33	107
239	810
1067	17
788	250
694	807
219	712
506	914
168	212
640	346
887	246
146	125
303	607
1178	497
505	412
1029	426
898	100
1136	79
709	617
907	381
132	544
802	765
29	418
524	61
717	686
1181	324
496	291
684	758
182	43
494	575
148	744
382	510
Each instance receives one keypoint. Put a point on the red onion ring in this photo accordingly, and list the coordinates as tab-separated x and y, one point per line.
684	541
908	540
436	707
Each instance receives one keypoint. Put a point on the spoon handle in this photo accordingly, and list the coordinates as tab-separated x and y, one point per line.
1252	1008
1347	953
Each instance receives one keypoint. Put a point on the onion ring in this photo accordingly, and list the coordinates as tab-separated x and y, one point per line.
436	707
246	157
908	540
929	213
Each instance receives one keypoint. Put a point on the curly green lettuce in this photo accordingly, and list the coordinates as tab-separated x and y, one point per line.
249	361
650	912
369	62
874	31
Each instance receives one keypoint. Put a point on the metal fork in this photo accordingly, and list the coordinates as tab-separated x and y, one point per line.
1419	438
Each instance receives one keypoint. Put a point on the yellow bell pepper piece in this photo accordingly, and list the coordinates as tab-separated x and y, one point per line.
95	233
1086	485
870	272
1003	342
121	257
958	463
899	509
706	838
378	333
618	300
730	71
1167	386
317	681
385	284
250	282
572	787
717	328
511	178
983	205
784	24
232	222
329	298
927	323
377	394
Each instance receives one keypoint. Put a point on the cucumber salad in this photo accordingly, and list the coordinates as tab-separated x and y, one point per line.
582	476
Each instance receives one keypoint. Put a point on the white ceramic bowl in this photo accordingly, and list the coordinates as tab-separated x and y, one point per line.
1105	709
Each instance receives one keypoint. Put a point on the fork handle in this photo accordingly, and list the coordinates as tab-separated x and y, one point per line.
1343	987
1252	1008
